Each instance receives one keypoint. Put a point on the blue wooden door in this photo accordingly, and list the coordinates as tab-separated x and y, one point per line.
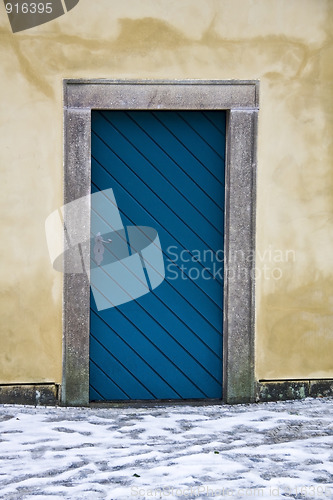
166	172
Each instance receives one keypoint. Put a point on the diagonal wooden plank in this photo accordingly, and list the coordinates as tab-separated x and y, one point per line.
159	184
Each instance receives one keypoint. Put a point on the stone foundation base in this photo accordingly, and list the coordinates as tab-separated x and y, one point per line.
281	390
30	394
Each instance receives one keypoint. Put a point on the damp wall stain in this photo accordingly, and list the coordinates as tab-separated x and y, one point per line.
298	340
30	325
288	46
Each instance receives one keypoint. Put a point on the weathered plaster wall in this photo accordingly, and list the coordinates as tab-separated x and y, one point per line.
288	46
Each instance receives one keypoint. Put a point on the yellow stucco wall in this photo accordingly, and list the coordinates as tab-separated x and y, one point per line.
288	46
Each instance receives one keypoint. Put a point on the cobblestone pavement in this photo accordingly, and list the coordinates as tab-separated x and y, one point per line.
269	450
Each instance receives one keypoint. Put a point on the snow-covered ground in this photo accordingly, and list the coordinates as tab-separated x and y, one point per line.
271	450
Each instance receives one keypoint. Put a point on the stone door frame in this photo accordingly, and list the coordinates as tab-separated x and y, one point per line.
241	101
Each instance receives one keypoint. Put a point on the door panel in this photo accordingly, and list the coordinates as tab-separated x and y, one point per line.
166	170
